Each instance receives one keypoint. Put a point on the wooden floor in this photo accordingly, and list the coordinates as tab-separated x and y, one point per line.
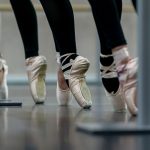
51	127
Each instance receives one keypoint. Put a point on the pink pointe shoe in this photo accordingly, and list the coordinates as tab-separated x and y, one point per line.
128	78
63	93
117	99
36	70
77	81
3	79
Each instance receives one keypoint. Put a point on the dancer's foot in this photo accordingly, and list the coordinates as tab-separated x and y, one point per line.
3	79
76	79
36	70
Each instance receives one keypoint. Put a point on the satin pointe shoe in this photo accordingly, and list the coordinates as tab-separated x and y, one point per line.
63	93
117	99
36	70
77	82
128	78
3	79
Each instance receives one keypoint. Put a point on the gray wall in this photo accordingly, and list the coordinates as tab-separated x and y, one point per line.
86	35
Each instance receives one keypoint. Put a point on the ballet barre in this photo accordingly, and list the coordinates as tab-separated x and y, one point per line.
76	8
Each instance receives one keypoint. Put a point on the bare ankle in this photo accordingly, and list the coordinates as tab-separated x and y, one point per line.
61	80
1	75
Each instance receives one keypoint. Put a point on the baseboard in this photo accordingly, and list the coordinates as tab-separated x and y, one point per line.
50	79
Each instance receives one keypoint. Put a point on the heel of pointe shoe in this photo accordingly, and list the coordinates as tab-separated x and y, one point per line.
81	92
117	100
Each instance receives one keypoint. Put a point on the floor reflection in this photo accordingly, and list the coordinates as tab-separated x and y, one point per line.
64	117
51	127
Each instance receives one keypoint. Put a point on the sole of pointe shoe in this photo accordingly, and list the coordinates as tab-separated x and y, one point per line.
82	93
40	86
131	96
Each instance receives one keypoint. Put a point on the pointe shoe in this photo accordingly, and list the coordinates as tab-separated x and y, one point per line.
36	70
117	99
3	79
128	77
63	96
77	82
63	93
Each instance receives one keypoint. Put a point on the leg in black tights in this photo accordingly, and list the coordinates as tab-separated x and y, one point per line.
134	4
36	65
107	15
61	19
27	22
105	49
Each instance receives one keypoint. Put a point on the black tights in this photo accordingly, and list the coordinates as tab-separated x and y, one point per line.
27	22
60	17
107	15
134	4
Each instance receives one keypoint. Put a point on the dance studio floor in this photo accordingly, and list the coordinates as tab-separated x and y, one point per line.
51	127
